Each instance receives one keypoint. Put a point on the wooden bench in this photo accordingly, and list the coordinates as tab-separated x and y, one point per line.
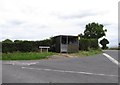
44	47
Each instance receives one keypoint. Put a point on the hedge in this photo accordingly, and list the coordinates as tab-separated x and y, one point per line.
24	46
86	44
32	46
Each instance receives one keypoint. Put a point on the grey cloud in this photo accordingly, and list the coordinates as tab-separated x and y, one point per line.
11	23
35	26
16	22
15	30
107	24
79	15
104	23
43	26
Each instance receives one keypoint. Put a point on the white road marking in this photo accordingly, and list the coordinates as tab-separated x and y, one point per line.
87	73
111	59
21	63
32	63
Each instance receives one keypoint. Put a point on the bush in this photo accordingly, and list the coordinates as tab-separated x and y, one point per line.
0	47
94	44
86	44
8	47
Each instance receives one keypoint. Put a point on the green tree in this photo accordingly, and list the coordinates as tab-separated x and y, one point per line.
104	43
94	30
18	41
7	41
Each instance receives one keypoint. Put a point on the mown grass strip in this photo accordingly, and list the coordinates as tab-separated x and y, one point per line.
26	56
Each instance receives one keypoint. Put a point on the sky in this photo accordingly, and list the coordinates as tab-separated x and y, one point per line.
41	19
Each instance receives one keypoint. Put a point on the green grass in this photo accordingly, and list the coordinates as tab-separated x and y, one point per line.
25	56
87	53
0	55
37	55
91	52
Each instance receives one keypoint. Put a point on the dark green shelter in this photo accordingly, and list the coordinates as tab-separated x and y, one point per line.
65	44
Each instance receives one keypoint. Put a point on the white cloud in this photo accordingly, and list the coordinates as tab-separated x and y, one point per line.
40	19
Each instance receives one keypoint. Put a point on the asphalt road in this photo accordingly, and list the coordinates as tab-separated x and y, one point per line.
113	53
92	69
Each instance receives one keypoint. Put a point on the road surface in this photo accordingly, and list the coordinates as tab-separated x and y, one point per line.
92	69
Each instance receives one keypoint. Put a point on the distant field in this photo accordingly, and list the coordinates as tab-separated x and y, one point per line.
25	56
114	48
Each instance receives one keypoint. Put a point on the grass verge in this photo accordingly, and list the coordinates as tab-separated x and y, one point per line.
37	56
26	56
87	53
0	56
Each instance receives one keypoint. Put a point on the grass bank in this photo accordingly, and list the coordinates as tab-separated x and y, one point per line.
26	56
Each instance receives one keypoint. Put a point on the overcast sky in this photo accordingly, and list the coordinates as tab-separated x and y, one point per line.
41	19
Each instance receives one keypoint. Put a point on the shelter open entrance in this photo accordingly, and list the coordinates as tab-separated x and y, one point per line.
66	43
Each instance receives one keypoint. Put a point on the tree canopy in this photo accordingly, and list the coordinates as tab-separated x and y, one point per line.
7	41
94	30
104	42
